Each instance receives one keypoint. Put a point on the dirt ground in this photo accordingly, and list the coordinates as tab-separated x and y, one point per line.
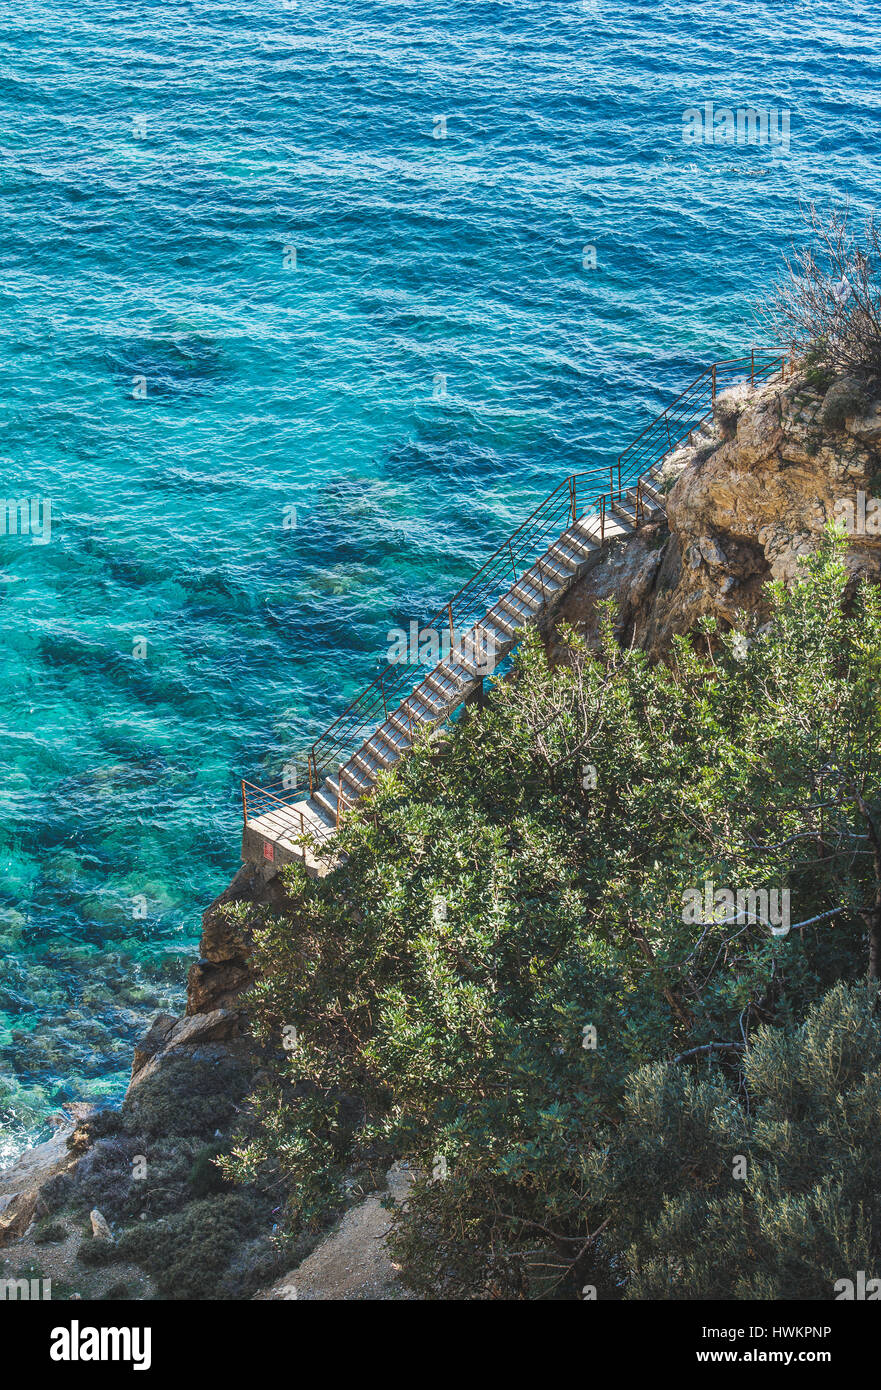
352	1262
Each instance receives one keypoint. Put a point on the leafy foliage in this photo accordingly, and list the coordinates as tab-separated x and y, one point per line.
493	907
805	1212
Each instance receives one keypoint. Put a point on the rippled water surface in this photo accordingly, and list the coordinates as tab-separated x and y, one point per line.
321	262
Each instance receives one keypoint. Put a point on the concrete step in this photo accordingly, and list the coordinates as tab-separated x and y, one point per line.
518	607
647	504
325	798
466	668
367	762
408	728
614	527
626	512
393	738
570	552
648	489
496	629
385	752
429	700
441	683
503	621
355	780
527	592
579	538
518	611
553	570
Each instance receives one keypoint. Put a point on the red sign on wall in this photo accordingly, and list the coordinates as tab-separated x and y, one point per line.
268	849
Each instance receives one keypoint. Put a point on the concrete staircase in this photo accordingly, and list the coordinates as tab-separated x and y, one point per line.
275	833
383	722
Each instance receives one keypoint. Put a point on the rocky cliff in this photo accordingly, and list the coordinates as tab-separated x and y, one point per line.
747	496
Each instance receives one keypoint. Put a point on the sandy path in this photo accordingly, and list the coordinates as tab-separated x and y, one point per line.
352	1262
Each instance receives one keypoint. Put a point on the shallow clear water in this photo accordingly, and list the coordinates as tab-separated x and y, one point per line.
436	361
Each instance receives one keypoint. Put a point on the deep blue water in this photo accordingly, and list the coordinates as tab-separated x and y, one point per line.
437	360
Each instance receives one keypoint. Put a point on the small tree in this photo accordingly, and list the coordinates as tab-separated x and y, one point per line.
828	307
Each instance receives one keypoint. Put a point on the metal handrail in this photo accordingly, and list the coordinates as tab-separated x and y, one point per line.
258	801
515	556
761	364
383	695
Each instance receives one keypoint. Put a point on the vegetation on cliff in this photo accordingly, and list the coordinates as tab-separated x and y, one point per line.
827	308
547	975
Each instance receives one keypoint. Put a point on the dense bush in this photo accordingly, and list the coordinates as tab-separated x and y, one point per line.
186	1097
150	1169
774	1200
482	983
189	1253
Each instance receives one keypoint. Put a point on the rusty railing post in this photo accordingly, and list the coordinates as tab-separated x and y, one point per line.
713	377
572	496
244	802
309	765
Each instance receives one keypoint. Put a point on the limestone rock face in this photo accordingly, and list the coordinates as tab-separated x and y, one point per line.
845	398
22	1182
197	1038
866	427
746	500
627	577
222	971
211	1031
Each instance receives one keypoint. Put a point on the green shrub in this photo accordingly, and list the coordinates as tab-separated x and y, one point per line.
49	1233
800	1210
187	1098
204	1176
493	905
97	1252
189	1253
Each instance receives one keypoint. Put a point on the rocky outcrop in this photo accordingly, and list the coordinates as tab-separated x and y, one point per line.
197	1038
22	1183
189	1079
748	497
222	970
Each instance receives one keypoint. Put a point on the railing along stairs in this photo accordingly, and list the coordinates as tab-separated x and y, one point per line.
480	624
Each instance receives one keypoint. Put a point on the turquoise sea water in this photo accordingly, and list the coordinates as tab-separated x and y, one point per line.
247	275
